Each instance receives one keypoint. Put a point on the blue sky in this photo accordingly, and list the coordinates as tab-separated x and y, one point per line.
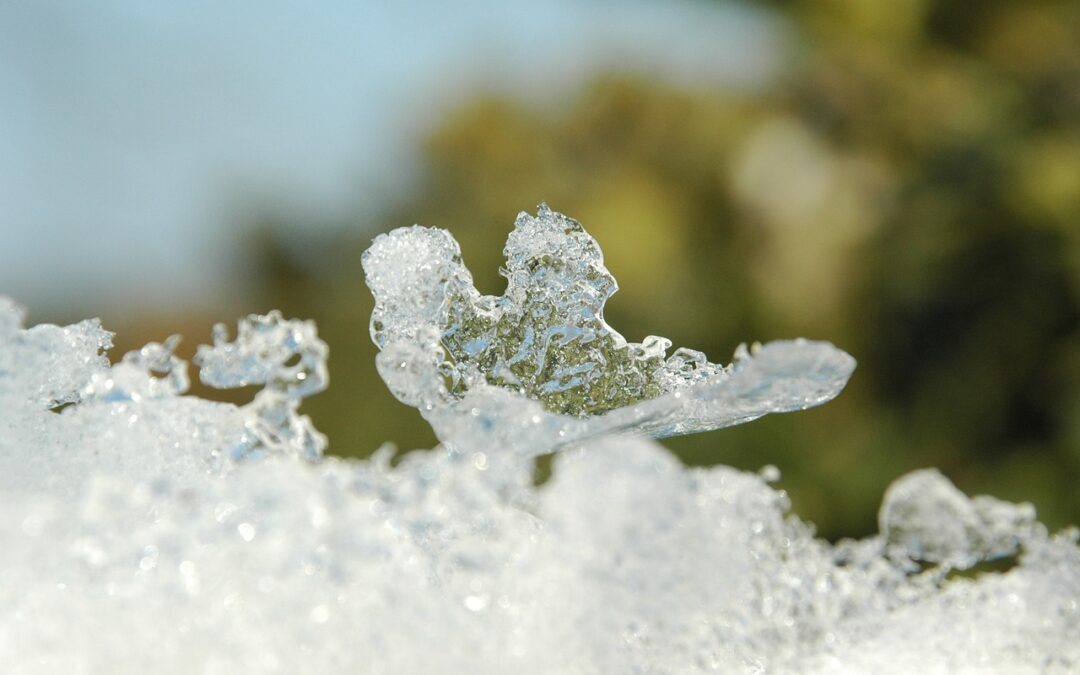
136	136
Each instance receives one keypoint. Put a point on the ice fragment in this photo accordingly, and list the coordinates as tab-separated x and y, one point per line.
47	366
445	348
289	359
925	518
138	403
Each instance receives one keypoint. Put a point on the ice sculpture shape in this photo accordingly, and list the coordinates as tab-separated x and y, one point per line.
462	358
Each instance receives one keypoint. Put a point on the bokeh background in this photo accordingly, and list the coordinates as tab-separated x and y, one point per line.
901	178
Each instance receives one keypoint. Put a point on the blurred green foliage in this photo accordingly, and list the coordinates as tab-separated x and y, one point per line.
909	189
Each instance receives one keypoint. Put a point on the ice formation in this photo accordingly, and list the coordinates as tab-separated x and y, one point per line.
539	367
148	530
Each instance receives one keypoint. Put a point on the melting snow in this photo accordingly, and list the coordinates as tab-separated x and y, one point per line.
148	530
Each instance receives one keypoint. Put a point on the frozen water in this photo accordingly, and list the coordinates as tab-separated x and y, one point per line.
925	518
540	366
130	420
146	530
289	359
47	366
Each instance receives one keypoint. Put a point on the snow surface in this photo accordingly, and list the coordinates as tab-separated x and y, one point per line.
147	530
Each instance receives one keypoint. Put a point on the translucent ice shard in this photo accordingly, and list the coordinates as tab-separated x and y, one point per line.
151	372
289	359
544	350
925	518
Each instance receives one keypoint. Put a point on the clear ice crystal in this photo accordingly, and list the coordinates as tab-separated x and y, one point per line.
925	518
286	355
448	350
150	372
289	359
132	542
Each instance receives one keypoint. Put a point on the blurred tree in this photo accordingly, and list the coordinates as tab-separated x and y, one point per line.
909	189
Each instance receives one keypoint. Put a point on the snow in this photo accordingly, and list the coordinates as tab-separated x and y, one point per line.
148	530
